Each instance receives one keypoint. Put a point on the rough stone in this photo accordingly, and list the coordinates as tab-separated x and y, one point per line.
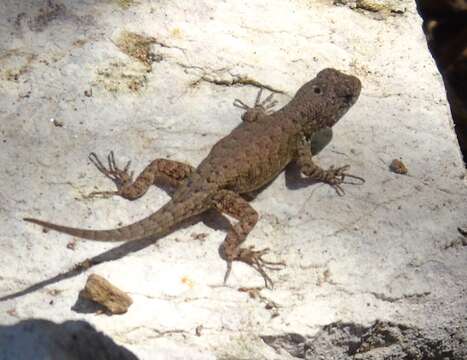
387	252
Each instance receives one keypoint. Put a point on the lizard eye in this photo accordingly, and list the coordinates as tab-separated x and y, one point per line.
317	90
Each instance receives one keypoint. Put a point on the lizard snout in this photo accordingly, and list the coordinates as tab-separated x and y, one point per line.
349	99
351	90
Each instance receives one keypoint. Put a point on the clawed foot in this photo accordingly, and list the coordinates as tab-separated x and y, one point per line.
254	258
336	176
263	107
462	232
120	177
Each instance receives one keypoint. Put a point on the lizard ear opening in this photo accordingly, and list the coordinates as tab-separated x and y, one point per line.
317	90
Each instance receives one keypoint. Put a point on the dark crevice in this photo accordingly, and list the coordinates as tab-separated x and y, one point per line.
445	27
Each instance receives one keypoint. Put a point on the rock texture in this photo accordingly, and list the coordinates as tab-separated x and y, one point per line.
380	340
379	273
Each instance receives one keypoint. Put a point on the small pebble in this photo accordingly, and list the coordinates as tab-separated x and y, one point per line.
398	167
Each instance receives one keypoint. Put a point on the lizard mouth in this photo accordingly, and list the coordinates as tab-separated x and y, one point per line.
351	91
350	99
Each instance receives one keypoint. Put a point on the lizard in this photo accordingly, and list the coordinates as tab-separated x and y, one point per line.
247	159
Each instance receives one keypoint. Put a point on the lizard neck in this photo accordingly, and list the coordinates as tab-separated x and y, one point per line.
305	123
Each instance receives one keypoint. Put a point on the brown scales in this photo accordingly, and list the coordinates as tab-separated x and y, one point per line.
252	155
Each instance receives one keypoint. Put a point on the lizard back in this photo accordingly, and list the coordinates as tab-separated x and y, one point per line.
253	154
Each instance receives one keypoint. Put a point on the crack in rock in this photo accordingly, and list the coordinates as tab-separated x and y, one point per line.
223	77
236	80
392	299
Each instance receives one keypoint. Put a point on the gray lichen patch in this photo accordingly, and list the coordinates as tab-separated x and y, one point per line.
50	11
15	63
125	4
119	77
385	6
137	46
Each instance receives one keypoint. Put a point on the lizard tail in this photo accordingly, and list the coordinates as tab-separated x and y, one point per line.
158	223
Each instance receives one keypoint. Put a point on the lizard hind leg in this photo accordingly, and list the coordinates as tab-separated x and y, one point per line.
260	108
158	171
234	205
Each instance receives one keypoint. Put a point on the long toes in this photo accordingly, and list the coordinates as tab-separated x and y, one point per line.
112	164
93	157
240	104
127	166
360	179
267	100
260	253
254	258
273	265
339	190
258	97
340	170
269	106
259	257
97	162
267	280
228	271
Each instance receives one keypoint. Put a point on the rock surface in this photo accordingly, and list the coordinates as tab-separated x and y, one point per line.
157	79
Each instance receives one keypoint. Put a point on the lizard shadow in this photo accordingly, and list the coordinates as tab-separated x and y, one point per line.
294	180
210	218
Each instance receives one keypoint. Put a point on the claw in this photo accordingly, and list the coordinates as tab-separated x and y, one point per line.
266	105
344	175
254	258
97	163
227	272
111	162
336	176
258	97
339	190
240	104
270	105
267	100
127	166
120	177
462	231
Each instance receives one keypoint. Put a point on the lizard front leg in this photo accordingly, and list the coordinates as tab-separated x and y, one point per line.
160	170
234	205
260	108
332	176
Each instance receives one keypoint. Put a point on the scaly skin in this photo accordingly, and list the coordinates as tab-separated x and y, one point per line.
252	155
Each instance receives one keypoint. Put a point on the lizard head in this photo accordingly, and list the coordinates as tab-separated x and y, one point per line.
321	102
